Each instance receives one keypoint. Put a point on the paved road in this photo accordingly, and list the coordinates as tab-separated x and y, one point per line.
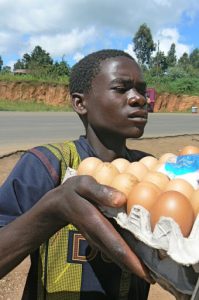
19	130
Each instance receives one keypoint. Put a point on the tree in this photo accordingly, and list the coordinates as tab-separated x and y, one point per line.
19	65
40	64
184	60
1	63
26	60
40	57
143	44
171	56
6	69
194	58
37	59
61	69
159	63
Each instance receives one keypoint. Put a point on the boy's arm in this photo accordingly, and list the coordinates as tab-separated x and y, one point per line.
73	202
24	235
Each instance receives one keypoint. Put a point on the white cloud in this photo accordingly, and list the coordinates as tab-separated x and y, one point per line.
62	44
78	56
72	26
11	63
130	51
163	2
7	41
165	38
168	36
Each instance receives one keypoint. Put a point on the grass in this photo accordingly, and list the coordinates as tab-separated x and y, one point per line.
34	79
30	106
178	86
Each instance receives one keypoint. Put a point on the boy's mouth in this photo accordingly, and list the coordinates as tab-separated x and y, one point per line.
139	115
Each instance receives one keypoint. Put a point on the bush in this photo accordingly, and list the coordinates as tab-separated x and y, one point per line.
175	81
185	86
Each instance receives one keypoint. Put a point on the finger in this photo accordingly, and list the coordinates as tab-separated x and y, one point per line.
89	189
103	236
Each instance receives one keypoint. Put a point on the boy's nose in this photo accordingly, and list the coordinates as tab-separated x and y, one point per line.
133	98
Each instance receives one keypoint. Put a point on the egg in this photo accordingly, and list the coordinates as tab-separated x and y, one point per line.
159	167
189	150
180	185
195	201
88	165
149	161
171	157
176	206
138	169
105	172
144	194
120	163
159	179
124	182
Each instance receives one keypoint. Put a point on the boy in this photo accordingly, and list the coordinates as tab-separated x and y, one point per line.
108	93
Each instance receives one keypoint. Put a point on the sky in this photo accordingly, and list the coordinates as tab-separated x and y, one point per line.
70	29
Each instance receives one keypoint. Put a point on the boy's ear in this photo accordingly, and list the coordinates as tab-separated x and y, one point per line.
79	103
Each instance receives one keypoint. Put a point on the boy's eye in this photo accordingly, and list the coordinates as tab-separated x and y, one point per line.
119	89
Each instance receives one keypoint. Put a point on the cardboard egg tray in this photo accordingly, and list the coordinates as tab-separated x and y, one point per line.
172	258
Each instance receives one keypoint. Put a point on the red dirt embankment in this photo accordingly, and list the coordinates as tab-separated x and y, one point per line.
57	94
169	103
51	94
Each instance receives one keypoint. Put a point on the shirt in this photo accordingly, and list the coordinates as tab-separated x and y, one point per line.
71	269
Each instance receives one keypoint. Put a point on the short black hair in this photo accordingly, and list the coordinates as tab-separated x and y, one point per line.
83	72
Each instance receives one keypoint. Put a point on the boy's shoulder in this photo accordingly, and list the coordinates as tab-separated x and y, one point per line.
59	151
57	156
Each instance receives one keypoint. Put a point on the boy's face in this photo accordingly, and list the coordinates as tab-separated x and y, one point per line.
116	103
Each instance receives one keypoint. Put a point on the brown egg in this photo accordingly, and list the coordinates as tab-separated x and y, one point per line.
176	206
144	194
138	169
158	167
149	161
160	179
124	182
195	201
120	163
105	172
167	157
180	185
88	165
189	150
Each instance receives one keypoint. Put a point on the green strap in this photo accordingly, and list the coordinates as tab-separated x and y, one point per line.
67	154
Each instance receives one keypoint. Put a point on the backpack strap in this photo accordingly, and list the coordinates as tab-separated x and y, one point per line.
66	153
67	156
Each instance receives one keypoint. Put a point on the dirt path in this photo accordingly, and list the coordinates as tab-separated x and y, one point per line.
11	286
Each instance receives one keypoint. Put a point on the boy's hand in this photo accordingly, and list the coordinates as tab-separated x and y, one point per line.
76	203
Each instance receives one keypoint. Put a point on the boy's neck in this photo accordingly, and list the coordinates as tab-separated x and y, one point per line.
107	147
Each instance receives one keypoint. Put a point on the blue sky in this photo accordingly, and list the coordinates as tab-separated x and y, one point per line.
74	28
